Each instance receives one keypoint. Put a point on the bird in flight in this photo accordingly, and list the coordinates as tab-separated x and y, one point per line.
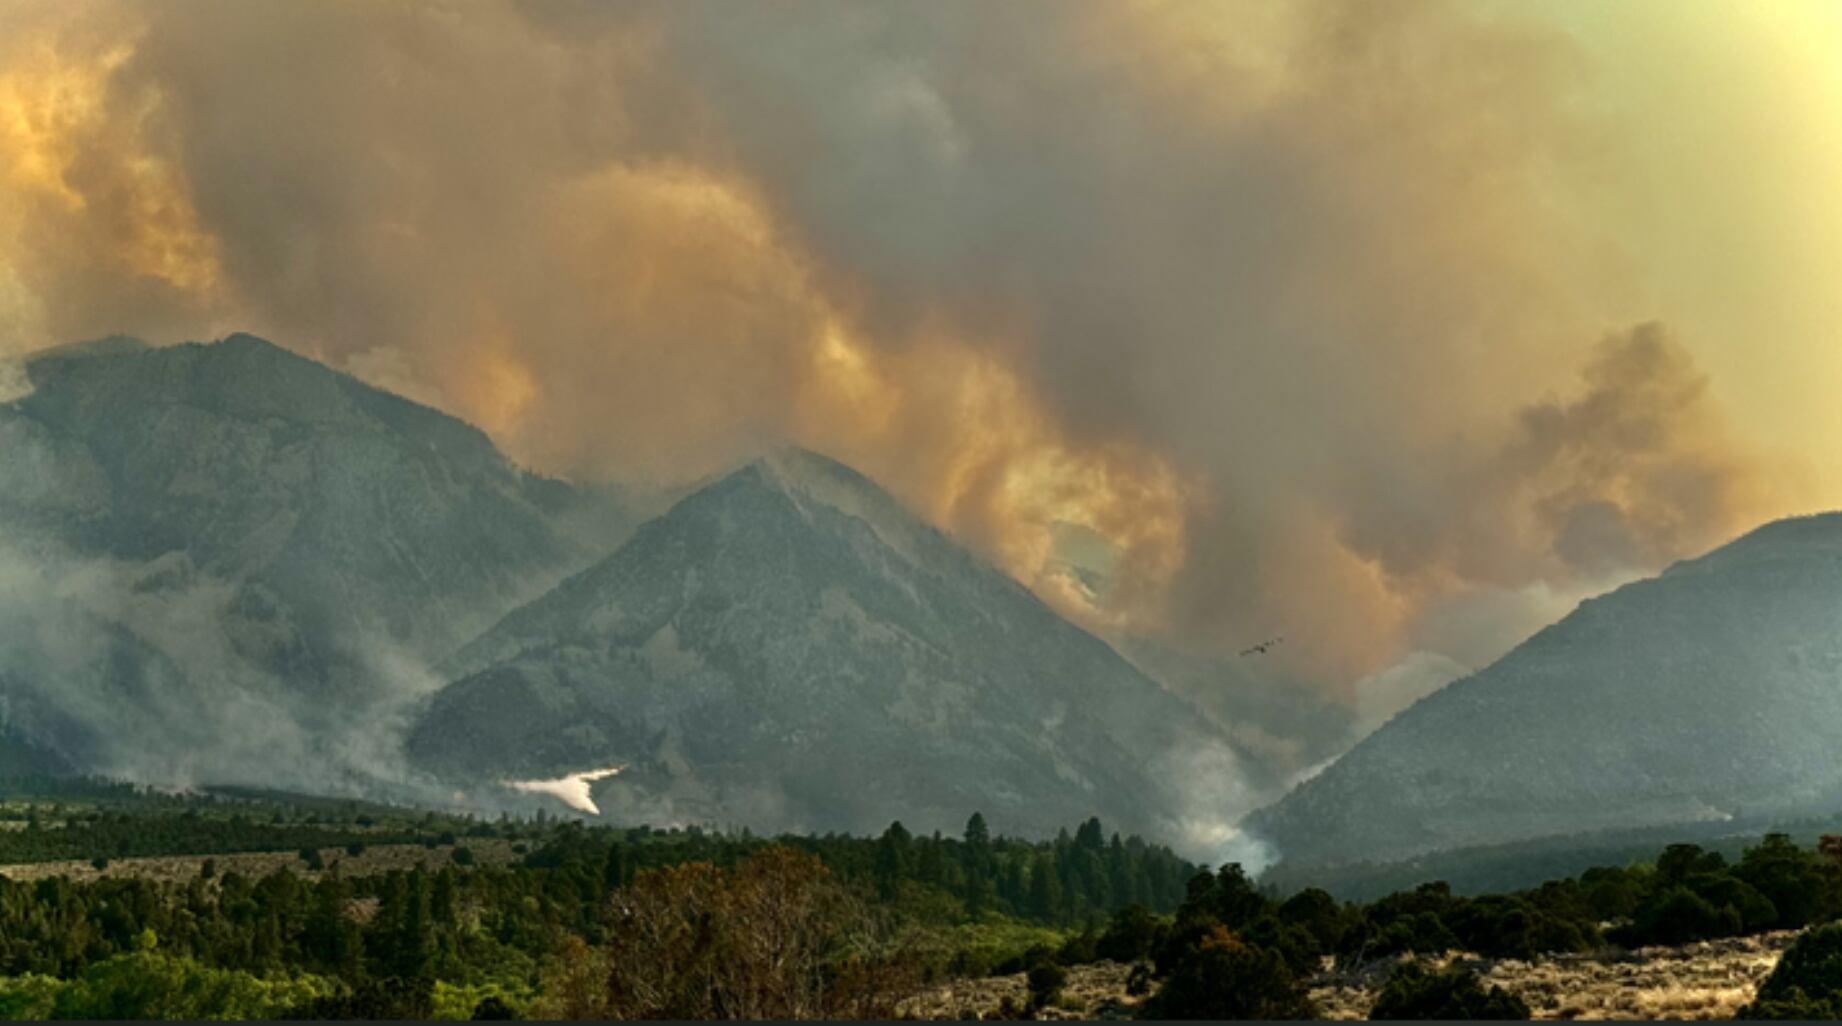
1262	648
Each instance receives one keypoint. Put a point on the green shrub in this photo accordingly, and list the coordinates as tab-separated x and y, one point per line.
28	997
1080	949
388	998
1807	983
1514	927
1678	915
1315	910
1413	992
150	985
1025	960
1297	945
450	1000
1802	885
1422	933
1138	981
493	1008
1224	977
1794	1005
1130	936
1046	981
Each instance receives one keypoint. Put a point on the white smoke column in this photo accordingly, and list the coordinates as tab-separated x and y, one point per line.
571	790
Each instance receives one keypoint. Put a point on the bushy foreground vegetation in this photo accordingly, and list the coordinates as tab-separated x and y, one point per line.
1415	992
1686	894
1807	983
629	923
1233	952
586	921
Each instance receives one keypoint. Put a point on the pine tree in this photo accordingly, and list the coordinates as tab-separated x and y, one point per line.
1046	889
978	835
930	866
978	864
615	872
414	942
892	858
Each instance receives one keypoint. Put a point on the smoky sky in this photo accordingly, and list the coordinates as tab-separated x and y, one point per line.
1295	306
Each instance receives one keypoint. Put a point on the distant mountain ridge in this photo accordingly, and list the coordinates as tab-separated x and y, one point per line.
1711	691
789	648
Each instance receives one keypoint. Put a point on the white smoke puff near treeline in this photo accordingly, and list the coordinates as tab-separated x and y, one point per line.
572	789
1213	792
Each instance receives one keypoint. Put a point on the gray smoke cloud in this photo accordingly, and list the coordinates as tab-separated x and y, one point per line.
142	671
1289	304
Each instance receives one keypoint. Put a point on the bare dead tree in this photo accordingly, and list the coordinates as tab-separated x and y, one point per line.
778	938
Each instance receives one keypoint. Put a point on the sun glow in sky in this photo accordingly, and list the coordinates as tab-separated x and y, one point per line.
1732	204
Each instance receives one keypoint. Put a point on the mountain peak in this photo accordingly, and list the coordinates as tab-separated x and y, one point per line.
240	375
244	342
802	473
799	467
808	478
790	631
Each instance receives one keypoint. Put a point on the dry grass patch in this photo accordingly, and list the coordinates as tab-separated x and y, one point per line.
379	858
1096	991
1707	980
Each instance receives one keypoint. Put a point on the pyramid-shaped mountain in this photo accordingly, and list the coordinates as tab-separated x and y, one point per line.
206	547
1712	692
789	648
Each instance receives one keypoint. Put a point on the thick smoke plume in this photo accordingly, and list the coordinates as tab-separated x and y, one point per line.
1289	305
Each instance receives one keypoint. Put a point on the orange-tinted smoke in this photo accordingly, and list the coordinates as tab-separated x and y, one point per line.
1289	308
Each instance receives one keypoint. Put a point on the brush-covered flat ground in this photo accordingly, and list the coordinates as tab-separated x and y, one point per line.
1704	980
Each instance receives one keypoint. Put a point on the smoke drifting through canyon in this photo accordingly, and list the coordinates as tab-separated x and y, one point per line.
140	672
1298	308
